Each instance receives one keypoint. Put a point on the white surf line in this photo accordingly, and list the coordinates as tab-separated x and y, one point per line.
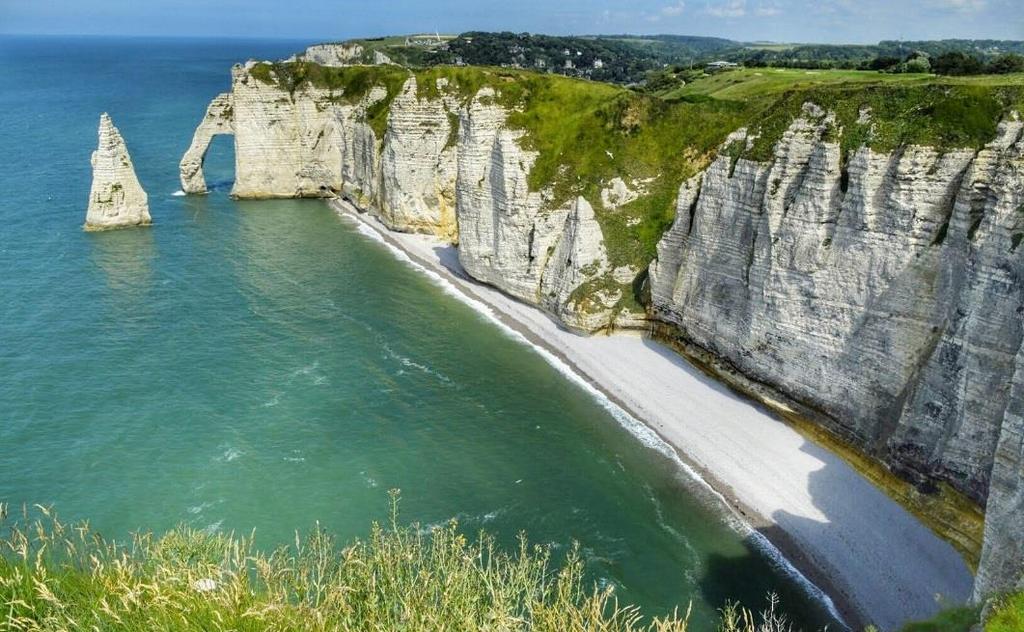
641	431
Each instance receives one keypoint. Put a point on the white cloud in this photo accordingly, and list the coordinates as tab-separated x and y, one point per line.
767	10
673	9
727	9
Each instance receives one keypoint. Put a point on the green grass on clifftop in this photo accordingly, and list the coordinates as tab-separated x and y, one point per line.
942	112
351	83
941	116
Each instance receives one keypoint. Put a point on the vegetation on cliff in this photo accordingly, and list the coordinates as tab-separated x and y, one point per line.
944	113
55	576
587	133
1007	614
1003	614
352	84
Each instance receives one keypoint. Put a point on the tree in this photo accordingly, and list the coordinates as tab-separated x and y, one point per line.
957	63
917	64
882	62
1005	64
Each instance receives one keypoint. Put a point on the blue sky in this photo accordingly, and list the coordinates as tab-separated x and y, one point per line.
848	21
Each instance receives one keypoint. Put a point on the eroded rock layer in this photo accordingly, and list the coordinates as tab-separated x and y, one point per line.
885	293
116	199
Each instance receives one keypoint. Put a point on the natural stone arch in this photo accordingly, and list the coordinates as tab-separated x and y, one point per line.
219	119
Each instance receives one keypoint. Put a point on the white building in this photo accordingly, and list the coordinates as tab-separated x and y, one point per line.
715	66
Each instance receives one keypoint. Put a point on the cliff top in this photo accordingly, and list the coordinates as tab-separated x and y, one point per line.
588	134
632	59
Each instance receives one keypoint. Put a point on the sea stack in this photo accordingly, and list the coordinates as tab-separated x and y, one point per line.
116	199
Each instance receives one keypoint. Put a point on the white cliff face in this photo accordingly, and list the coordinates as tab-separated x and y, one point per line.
286	145
318	143
116	199
444	167
504	238
334	54
1002	557
987	320
890	298
509	236
570	286
218	120
418	165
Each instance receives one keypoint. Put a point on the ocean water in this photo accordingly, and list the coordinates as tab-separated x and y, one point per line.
264	365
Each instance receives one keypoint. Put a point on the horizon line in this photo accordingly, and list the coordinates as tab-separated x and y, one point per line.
329	39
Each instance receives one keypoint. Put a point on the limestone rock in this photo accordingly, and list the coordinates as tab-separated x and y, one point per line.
1002	557
888	298
340	54
504	238
286	144
418	164
578	258
512	237
617	194
218	119
116	199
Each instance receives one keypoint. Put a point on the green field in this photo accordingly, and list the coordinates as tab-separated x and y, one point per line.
748	83
751	83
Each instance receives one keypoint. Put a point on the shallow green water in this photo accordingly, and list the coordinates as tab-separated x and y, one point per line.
263	365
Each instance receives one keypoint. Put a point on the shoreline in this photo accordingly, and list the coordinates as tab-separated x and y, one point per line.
761	471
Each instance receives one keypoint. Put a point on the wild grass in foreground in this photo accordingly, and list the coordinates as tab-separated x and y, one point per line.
55	576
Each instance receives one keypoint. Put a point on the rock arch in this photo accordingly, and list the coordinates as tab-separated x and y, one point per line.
219	119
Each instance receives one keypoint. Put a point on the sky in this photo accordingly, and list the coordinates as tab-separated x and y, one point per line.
828	21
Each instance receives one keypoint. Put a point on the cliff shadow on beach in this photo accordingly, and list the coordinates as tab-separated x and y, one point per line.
901	573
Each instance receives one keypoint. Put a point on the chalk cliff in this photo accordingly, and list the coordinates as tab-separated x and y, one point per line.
219	119
510	237
342	54
336	54
116	199
880	290
444	165
885	295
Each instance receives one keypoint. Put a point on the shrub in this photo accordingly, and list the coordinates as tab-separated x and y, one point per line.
1008	615
917	64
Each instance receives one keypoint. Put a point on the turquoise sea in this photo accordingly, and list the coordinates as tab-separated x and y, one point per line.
263	365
